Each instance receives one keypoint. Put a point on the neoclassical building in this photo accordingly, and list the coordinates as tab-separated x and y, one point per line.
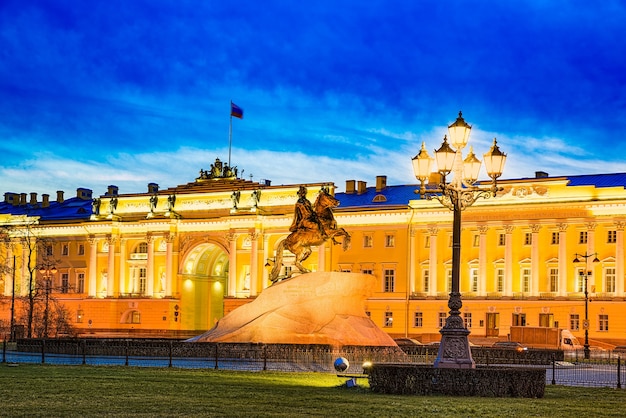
171	262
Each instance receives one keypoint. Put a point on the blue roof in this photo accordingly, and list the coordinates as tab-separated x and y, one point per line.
599	180
71	209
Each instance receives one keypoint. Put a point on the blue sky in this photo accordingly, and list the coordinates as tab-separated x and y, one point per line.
129	92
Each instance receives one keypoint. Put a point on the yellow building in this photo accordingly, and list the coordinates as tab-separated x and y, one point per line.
171	262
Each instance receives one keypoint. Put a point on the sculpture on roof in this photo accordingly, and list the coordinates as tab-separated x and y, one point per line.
218	170
312	226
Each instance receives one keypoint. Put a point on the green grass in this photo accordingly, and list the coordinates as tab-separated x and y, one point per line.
44	390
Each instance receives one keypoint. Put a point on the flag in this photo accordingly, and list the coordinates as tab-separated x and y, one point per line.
236	111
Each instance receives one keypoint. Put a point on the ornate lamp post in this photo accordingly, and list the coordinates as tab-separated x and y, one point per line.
460	193
584	274
47	271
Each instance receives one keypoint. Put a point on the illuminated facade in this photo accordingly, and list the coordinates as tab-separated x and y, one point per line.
172	262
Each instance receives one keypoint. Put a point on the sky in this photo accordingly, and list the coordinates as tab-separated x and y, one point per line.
129	92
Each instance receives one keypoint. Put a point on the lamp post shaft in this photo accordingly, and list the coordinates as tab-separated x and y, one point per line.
586	346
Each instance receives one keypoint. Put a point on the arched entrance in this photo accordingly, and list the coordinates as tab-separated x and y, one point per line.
204	282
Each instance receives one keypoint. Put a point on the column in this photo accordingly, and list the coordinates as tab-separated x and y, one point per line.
122	275
619	259
168	264
254	263
266	255
232	264
432	262
150	267
25	276
591	245
508	260
564	259
93	267
8	276
482	261
534	260
111	267
412	263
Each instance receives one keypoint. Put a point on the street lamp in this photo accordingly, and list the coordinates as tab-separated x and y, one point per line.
47	271
585	275
460	193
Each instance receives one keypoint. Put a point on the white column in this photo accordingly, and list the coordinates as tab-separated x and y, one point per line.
534	260
266	255
93	267
168	264
564	260
122	275
482	261
150	267
24	288
432	263
591	245
619	259
232	265
254	263
508	260
111	267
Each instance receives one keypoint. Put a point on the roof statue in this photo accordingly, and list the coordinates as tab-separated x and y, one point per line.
219	170
312	226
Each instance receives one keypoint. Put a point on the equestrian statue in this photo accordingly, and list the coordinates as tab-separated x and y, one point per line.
312	226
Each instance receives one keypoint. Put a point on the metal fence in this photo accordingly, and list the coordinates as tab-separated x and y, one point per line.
598	372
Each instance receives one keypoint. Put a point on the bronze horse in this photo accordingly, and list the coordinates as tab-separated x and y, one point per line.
300	241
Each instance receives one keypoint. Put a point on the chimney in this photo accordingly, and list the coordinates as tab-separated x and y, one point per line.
112	191
11	198
45	200
60	198
540	174
153	188
33	198
362	187
381	183
350	186
22	199
83	194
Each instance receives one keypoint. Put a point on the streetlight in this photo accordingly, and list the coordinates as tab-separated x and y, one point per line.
460	193
585	275
47	270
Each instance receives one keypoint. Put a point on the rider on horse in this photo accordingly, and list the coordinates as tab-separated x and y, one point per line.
305	217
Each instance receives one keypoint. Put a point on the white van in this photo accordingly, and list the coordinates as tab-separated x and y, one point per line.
569	342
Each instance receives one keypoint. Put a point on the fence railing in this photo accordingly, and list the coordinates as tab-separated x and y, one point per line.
573	371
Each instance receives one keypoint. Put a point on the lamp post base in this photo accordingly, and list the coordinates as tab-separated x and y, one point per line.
454	350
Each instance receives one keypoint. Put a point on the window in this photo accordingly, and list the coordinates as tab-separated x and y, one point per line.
81	249
49	250
553	277
450	241
476	240
582	237
390	280
80	314
142	248
367	241
449	277
546	320
474	280
528	238
580	280
499	280
467	319
501	239
525	280
367	271
80	283
442	319
65	249
609	279
390	241
518	320
427	241
555	238
142	281
574	322
426	280
603	322
65	282
388	319
136	317
611	237
418	320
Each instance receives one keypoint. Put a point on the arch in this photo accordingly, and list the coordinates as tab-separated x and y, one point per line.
204	272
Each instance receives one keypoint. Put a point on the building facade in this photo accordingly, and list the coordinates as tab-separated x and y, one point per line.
171	262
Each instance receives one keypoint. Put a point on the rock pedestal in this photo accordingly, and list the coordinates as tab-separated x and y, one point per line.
313	308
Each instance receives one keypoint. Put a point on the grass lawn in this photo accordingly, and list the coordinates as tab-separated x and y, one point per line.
44	390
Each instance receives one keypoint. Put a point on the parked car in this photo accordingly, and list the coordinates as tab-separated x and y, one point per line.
510	345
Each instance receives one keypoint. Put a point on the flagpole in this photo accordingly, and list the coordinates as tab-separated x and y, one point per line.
230	132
